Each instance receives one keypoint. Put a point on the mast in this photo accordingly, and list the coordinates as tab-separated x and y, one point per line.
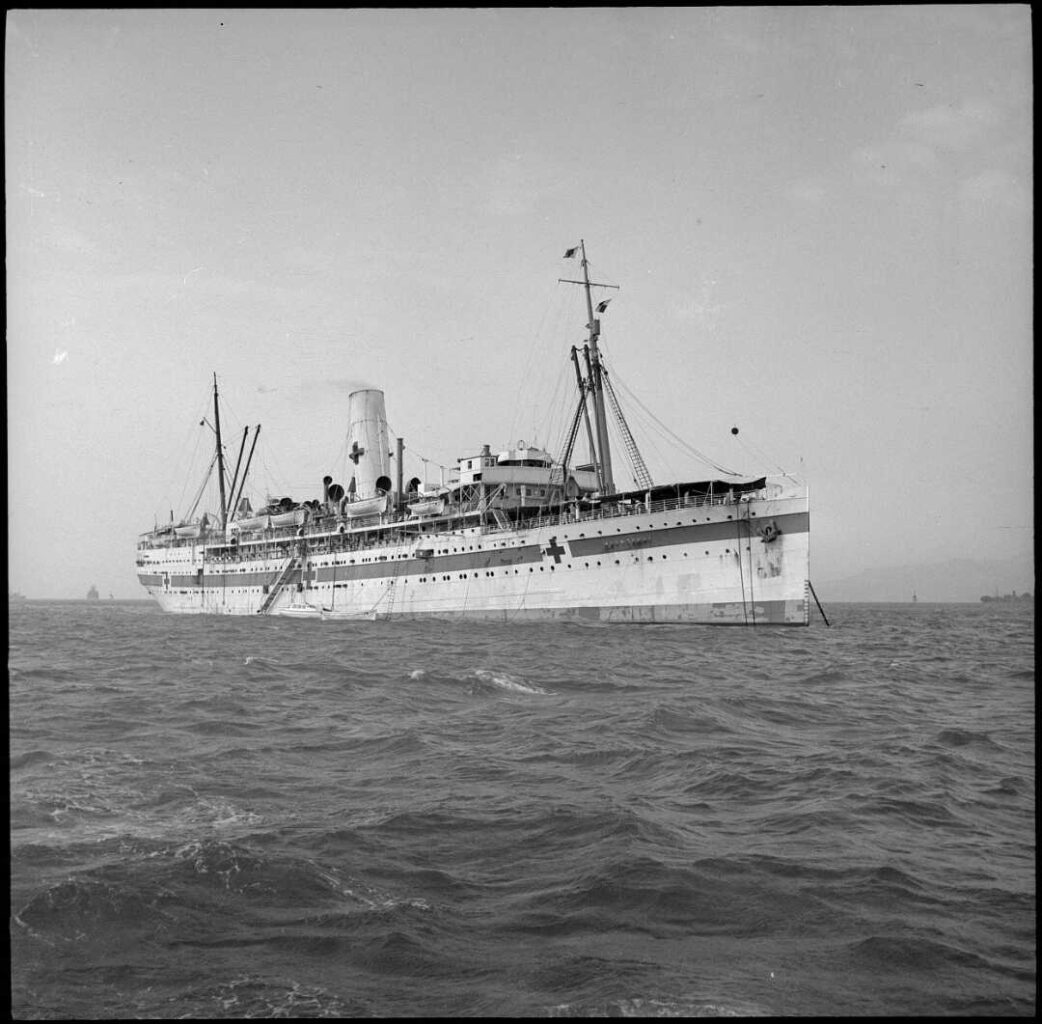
600	418
400	471
245	472
235	475
594	449
220	454
581	413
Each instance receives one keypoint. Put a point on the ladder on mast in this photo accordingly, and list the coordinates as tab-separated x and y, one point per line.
641	476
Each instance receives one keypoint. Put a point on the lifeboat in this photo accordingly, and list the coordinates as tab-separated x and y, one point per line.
292	517
250	524
433	507
366	507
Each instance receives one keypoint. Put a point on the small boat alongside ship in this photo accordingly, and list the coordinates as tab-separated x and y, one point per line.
516	534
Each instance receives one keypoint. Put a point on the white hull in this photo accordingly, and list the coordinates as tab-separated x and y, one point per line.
706	563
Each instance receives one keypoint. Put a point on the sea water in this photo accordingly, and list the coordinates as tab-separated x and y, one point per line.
263	817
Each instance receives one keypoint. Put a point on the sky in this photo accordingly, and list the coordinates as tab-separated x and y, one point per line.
818	220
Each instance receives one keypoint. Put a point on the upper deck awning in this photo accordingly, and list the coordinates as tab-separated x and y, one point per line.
698	488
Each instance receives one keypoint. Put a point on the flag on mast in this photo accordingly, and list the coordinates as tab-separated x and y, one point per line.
571	252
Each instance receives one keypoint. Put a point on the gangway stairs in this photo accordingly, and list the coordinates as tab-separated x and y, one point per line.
276	587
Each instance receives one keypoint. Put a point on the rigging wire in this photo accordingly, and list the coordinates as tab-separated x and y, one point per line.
557	413
541	352
570	433
202	487
191	473
757	453
691	449
270	475
566	313
649	433
190	468
419	461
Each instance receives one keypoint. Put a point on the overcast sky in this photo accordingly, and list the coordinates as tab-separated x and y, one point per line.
819	220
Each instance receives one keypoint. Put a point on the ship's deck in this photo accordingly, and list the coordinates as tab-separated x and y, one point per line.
334	533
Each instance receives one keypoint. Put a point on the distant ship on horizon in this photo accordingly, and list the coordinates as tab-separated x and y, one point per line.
1006	598
92	594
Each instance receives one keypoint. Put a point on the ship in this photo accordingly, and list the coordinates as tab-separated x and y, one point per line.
515	534
92	594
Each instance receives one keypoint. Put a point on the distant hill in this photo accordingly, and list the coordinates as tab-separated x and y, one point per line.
961	579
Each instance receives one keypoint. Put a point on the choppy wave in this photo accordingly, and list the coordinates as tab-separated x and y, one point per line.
484	679
216	818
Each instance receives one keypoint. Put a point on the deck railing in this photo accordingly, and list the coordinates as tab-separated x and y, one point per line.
619	510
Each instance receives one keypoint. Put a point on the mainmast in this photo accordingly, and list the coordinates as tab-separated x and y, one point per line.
220	453
582	413
603	454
